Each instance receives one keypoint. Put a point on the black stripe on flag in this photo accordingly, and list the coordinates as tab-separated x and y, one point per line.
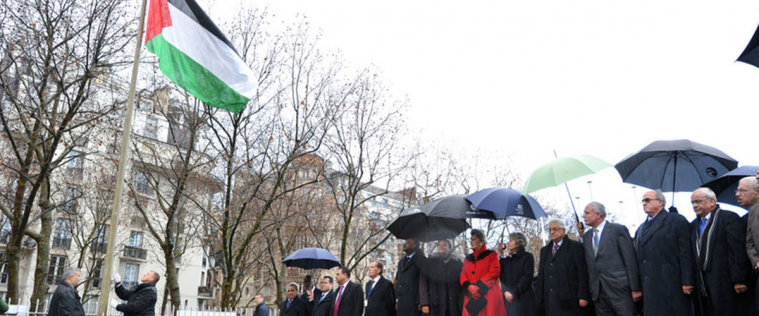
193	10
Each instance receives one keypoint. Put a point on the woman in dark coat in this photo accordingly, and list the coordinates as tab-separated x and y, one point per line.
439	288
479	280
517	269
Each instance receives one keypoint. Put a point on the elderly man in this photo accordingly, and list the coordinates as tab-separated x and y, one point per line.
720	254
748	197
293	305
612	268
663	250
140	299
409	271
261	309
562	287
66	300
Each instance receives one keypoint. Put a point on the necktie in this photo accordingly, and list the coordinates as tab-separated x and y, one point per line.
596	237
321	298
702	225
337	301
288	303
369	288
555	248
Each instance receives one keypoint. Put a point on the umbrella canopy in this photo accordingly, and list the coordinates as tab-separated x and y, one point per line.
311	258
750	54
675	165
504	202
442	218
726	185
562	170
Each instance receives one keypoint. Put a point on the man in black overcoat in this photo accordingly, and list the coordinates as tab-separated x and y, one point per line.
409	271
322	304
293	305
662	245
349	297
380	293
66	301
719	248
141	299
562	285
261	309
439	286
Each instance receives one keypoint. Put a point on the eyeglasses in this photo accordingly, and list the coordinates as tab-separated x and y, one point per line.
647	200
698	201
741	191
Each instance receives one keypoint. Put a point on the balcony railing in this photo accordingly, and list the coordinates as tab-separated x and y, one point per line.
205	291
134	252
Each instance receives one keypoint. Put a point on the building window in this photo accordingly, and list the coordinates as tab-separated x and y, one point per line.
71	196
4	269
62	239
5	231
74	163
135	240
151	127
90	304
55	271
141	182
130	275
95	275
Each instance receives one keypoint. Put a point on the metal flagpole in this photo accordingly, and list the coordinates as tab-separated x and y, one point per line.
105	275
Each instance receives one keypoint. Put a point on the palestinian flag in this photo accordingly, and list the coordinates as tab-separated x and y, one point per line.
194	54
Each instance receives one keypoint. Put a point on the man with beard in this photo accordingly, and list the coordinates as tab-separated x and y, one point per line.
439	289
409	270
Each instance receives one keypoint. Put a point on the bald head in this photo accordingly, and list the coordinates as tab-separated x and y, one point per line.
747	193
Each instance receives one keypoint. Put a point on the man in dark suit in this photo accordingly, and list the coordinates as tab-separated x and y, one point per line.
409	271
322	303
380	294
719	248
349	297
562	286
261	309
309	290
612	268
663	250
293	305
748	197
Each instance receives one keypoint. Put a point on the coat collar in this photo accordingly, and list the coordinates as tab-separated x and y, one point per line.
656	223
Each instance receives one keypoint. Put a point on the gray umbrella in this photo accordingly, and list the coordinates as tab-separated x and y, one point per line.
675	165
442	218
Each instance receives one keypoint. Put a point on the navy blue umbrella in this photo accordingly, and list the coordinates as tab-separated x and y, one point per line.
726	185
441	218
311	258
503	202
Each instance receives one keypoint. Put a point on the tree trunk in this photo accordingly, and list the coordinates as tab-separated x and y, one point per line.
171	276
43	253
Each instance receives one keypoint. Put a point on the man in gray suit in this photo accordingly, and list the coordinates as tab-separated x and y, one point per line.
748	197
612	267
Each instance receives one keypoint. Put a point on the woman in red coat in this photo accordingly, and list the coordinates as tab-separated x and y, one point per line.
479	280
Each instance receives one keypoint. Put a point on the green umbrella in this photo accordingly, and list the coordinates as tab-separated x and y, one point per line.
562	170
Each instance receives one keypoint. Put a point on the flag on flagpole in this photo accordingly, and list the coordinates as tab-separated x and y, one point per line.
194	54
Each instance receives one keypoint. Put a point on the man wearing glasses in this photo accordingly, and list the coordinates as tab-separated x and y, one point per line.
664	259
719	251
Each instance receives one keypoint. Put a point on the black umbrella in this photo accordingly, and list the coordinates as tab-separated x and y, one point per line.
442	218
311	258
501	203
726	185
750	55
675	165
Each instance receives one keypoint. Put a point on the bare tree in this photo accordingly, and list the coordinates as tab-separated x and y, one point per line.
53	54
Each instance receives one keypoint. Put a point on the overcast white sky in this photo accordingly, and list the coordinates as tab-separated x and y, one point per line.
582	77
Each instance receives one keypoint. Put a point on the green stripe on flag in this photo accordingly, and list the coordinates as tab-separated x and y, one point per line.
194	78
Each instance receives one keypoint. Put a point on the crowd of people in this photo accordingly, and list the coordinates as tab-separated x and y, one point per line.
669	267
